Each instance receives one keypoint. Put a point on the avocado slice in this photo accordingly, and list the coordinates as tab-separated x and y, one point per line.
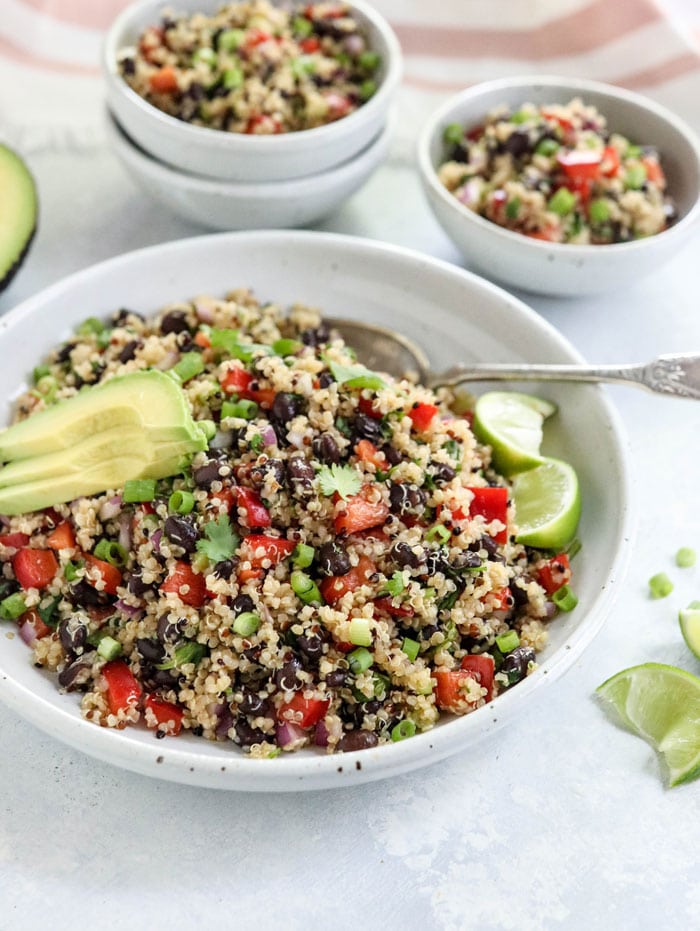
18	216
148	401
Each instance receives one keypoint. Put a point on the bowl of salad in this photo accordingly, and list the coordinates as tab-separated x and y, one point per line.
561	186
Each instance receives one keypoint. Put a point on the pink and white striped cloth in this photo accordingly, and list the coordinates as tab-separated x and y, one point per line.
50	93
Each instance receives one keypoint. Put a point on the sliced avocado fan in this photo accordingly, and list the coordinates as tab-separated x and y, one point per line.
18	216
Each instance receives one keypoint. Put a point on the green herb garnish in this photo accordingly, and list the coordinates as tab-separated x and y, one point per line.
356	376
343	480
221	542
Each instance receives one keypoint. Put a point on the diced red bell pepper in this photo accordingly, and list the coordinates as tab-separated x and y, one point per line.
62	538
344	646
225	497
580	163
449	690
258	548
245	575
262	124
248	500
366	451
610	165
481	668
14	540
123	691
335	586
497	202
475	134
338	105
546	235
164	715
491	504
655	172
366	406
202	340
151	39
163	81
554	573
501	599
109	574
561	121
310	45
34	568
384	604
33	619
236	381
360	513
303	711
183	574
422	416
256	37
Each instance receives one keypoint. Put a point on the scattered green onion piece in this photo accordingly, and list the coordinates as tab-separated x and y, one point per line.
453	134
685	557
12	607
561	202
438	533
508	641
303	555
633	151
232	78
411	648
520	116
230	39
573	548
181	502
403	730
139	489
635	177
360	633
301	26
369	60
547	147
206	55
244	409
359	660
246	624
513	208
381	685
70	570
112	552
599	211
40	372
302	66
367	89
564	599
191	652
109	648
660	585
90	326
190	364
286	347
305	588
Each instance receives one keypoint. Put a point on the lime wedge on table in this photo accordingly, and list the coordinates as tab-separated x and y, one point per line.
511	423
547	505
689	619
661	704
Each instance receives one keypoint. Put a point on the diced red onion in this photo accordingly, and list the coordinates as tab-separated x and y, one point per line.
550	610
111	508
321	735
155	540
469	194
27	633
125	531
225	722
269	436
287	733
127	609
204	310
222	439
354	44
296	439
168	361
5	521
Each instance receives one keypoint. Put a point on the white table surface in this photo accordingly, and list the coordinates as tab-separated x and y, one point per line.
559	821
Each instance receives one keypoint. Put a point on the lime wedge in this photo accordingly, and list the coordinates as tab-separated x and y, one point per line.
511	423
689	619
547	505
661	704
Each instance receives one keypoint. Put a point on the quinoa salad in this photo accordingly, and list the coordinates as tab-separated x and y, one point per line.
338	568
254	67
557	173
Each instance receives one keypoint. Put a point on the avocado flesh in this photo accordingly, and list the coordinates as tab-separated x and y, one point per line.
149	401
18	215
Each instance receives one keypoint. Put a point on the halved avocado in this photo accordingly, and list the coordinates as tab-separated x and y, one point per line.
18	213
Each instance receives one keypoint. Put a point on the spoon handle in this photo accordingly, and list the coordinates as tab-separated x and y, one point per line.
676	375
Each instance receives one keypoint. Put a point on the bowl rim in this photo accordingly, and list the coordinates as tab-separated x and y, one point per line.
251	144
201	184
576	85
302	771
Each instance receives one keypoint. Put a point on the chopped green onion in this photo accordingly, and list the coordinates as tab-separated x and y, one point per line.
438	533
369	61
40	372
139	489
561	202
367	89
303	555
190	364
359	660
513	208
599	211
360	633
286	347
411	648
305	588
109	648
302	27
112	552
228	341
230	39
181	502
12	606
191	652
573	548
245	409
520	116
635	177
453	134
232	78
660	585
395	585
70	570
403	730
91	326
547	147
381	685
246	624
205	55
685	557
302	66
508	641
633	151
564	599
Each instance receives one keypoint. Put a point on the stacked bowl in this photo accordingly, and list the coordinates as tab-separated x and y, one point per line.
245	180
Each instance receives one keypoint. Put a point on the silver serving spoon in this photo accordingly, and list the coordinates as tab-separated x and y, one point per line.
382	349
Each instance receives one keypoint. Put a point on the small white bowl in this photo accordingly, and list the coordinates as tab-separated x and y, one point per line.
248	205
236	156
559	268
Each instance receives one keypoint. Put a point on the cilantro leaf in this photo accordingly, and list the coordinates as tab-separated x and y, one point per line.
356	376
190	652
341	479
228	341
395	585
221	542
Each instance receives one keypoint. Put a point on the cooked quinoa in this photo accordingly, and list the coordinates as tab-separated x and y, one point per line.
255	67
339	568
557	173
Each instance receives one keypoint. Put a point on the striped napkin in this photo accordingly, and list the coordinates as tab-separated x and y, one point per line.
51	95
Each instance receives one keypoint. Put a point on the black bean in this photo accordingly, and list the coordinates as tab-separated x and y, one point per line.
182	532
121	316
185	342
301	475
72	633
357	740
174	322
315	336
516	662
311	646
286	678
365	427
517	590
255	704
336	679
224	569
333	559
517	143
159	678
393	456
76	675
224	723
465	560
128	65
210	472
151	650
404	556
271	469
405	498
286	406
242	604
441	472
425	633
82	593
245	735
137	586
129	351
63	354
168	630
325	379
326	449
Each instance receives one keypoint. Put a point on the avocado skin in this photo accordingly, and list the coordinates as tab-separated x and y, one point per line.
13	269
24	178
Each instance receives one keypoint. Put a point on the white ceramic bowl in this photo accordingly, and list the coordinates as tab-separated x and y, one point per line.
235	156
456	317
227	205
557	268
